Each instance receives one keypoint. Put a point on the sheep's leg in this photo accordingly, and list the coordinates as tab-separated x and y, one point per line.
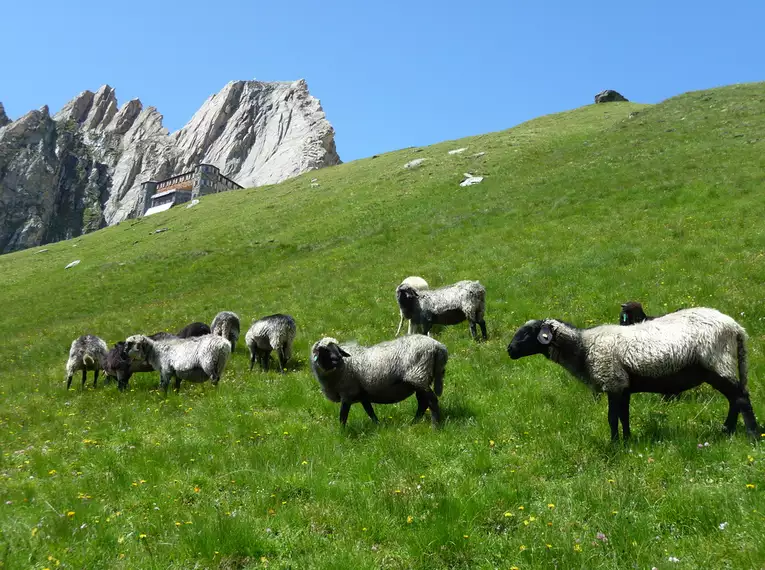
266	361
282	359
744	405
472	330
370	410
253	356
435	409
400	323
164	381
177	383
624	414
68	381
345	407
423	401
84	374
482	324
614	405
95	379
729	389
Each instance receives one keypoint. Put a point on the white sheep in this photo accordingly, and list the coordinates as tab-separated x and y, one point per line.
226	324
419	284
275	332
448	305
384	373
195	359
667	355
87	352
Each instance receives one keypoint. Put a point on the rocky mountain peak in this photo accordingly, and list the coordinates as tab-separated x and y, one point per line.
83	168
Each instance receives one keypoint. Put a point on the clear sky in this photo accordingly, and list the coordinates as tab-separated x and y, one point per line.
389	74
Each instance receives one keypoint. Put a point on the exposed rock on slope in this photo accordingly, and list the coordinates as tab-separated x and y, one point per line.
82	169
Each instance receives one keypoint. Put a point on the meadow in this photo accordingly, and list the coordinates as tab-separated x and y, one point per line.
577	212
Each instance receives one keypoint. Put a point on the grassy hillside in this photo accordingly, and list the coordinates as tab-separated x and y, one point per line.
577	212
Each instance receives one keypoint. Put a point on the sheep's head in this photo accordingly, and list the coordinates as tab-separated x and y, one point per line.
632	312
137	347
532	338
327	354
406	295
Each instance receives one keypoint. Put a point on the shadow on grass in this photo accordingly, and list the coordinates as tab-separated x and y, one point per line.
457	412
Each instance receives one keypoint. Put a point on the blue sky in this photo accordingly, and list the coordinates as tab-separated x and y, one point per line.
389	74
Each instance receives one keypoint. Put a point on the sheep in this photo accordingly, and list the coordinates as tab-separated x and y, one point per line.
632	312
87	352
669	354
195	359
384	373
119	365
420	285
226	324
448	305
275	332
193	329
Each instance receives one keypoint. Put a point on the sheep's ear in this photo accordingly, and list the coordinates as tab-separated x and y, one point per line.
343	353
545	335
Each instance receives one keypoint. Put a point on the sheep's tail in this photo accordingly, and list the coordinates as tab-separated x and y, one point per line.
439	369
743	366
88	360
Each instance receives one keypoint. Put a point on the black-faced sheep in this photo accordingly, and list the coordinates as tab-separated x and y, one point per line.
121	366
195	359
193	329
275	332
226	324
419	284
669	354
448	305
87	352
385	373
632	312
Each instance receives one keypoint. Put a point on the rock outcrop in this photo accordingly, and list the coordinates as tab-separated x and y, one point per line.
4	120
609	96
81	169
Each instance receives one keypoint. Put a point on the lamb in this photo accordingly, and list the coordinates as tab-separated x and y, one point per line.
448	305
384	373
420	285
275	332
193	329
195	359
87	352
669	354
632	312
119	365
226	324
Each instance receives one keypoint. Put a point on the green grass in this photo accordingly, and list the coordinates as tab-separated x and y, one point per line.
577	212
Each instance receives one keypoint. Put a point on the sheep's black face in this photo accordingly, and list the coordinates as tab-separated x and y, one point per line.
329	357
406	297
632	312
532	338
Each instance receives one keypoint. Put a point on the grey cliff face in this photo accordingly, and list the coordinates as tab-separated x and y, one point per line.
82	169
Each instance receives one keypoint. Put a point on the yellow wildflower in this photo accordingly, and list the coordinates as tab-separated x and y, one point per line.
749	486
409	520
522	547
577	548
70	514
